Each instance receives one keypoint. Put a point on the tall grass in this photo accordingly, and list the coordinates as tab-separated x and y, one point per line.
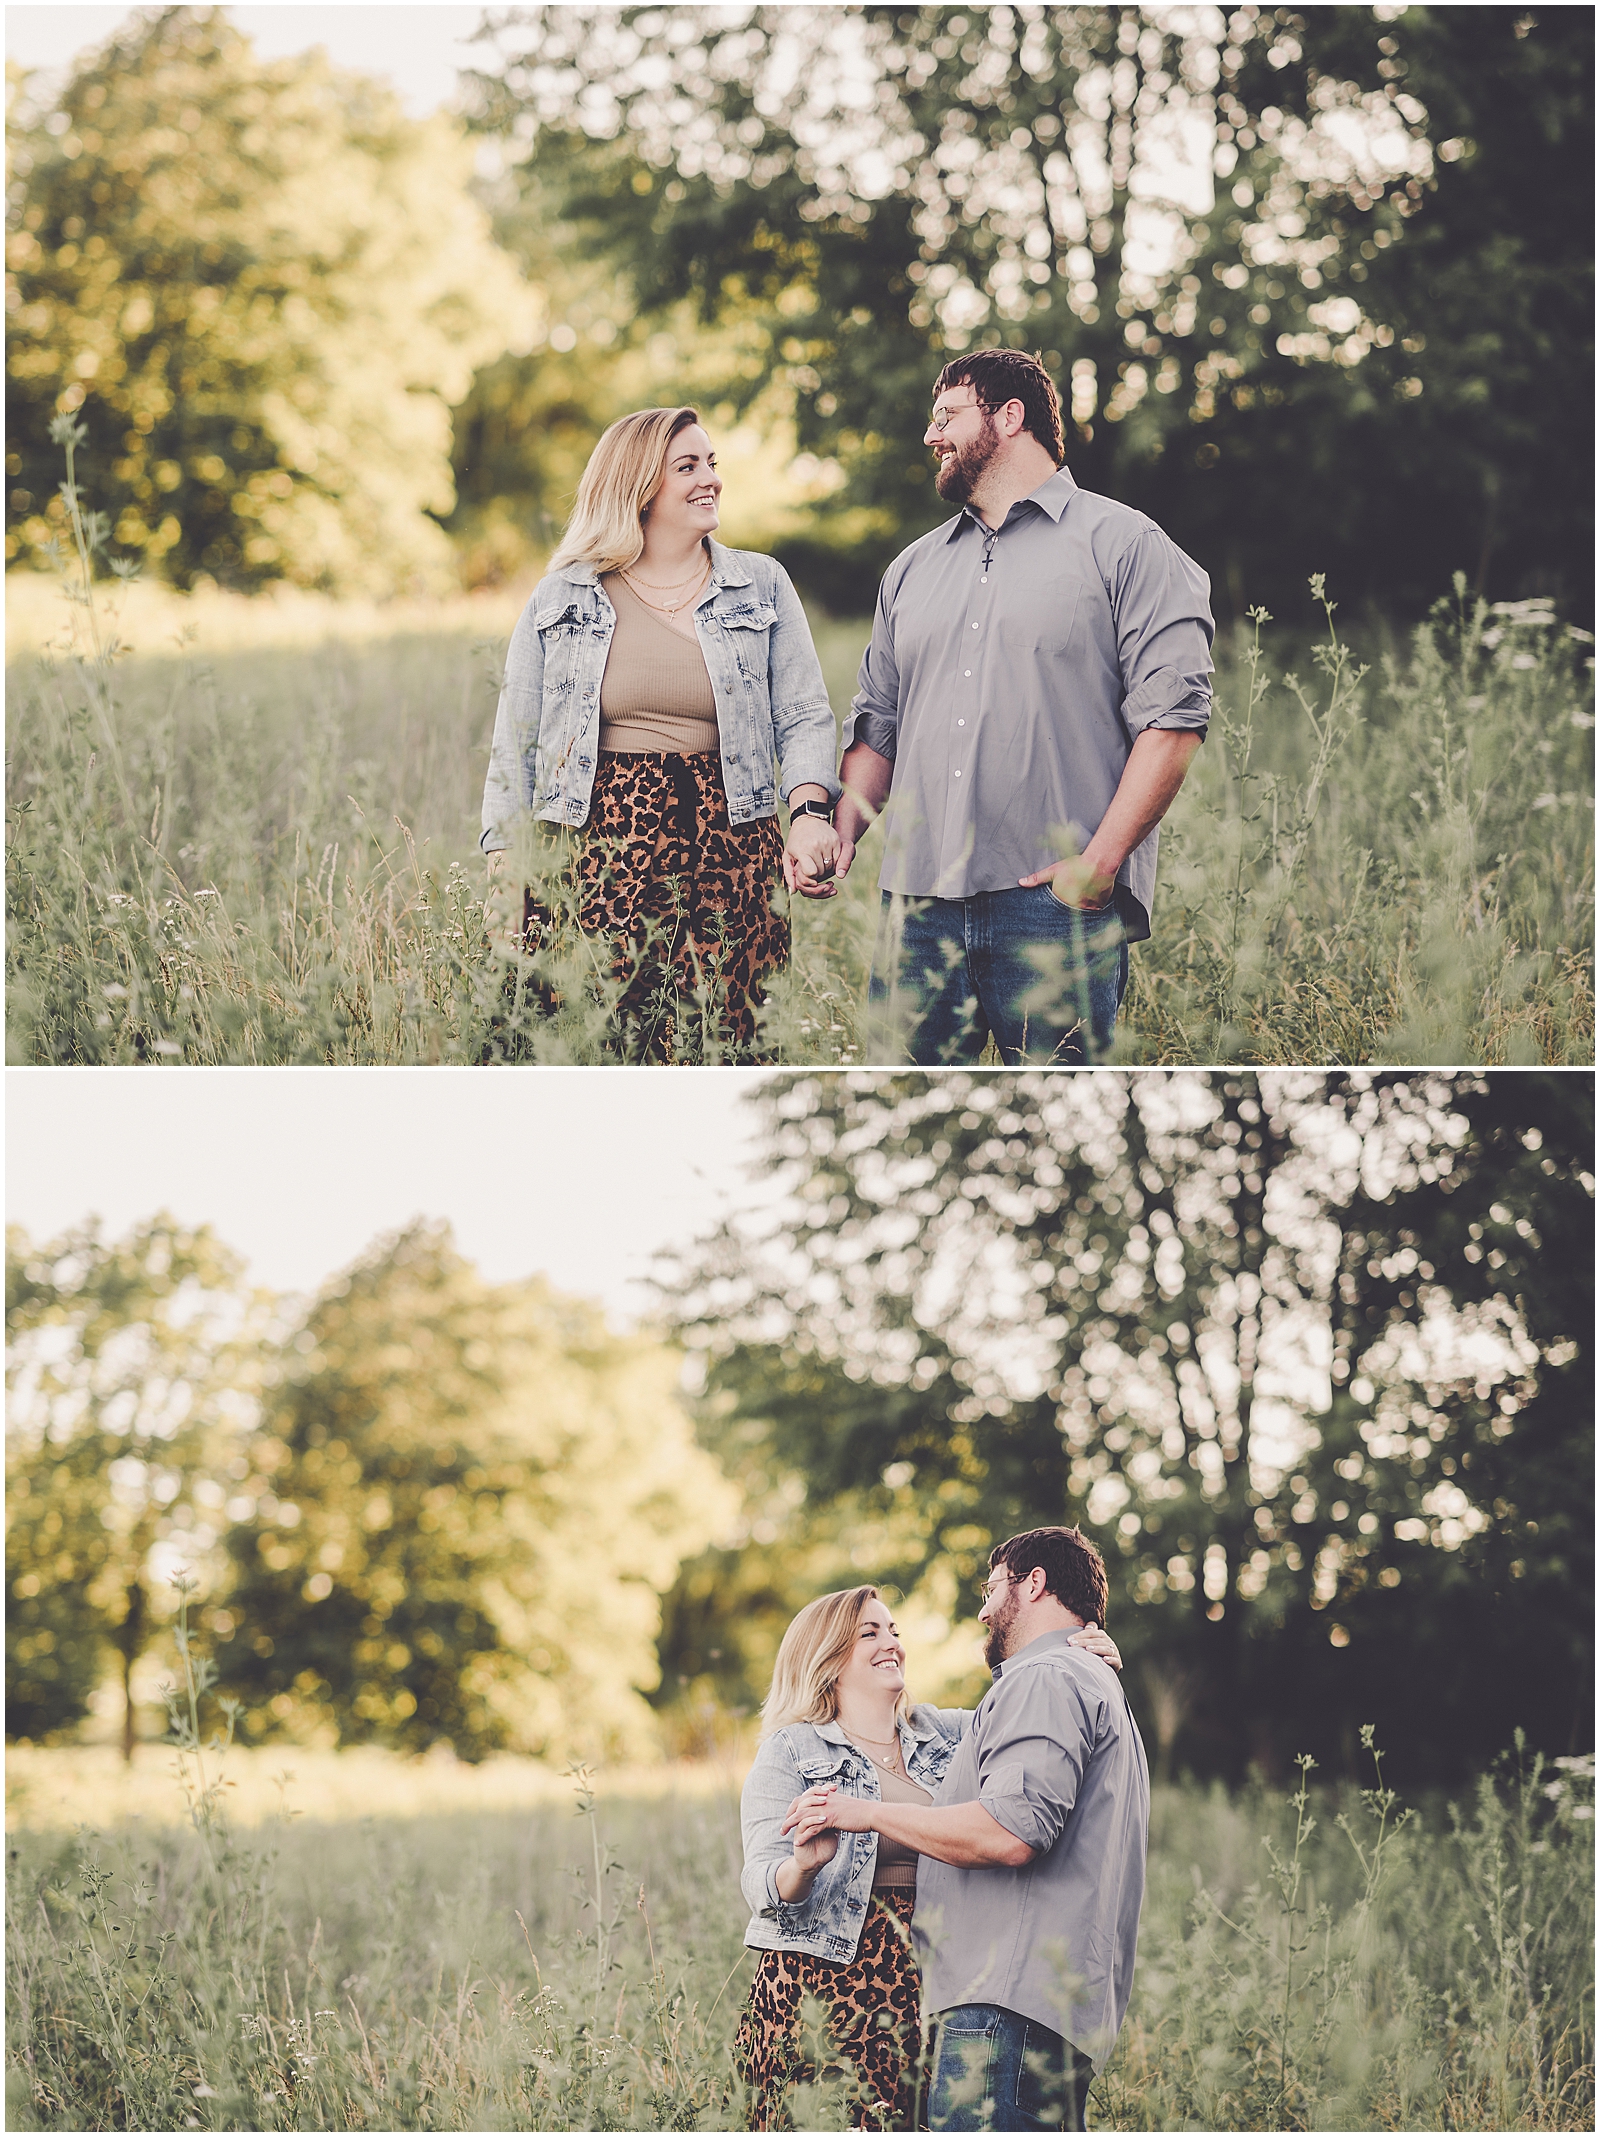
1316	1964
271	856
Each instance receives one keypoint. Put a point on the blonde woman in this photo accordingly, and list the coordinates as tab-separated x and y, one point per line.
662	694
831	1914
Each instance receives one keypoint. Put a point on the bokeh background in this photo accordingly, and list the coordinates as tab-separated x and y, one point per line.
1309	1357
1316	284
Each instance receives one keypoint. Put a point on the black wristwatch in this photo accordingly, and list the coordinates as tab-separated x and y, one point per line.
824	809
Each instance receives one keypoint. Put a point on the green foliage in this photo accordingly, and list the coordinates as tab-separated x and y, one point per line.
128	1377
263	288
1459	404
546	1972
1284	933
1348	1986
1278	1341
1247	327
466	1502
523	433
426	1509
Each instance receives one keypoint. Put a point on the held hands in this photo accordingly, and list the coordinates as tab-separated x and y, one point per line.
814	1844
811	857
822	1810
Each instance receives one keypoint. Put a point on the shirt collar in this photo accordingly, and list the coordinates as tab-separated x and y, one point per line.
1052	496
1043	1645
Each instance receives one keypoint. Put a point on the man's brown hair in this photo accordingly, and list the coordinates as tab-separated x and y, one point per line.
1074	1571
1000	375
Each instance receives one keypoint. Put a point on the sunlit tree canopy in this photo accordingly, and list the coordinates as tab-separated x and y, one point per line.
263	288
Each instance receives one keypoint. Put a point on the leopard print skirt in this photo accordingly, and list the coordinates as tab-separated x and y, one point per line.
687	901
874	2008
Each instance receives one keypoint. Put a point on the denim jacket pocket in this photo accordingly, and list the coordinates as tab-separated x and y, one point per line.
747	630
559	615
747	616
824	1766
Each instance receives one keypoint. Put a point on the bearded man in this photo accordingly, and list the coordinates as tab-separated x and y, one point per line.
1037	683
1031	1857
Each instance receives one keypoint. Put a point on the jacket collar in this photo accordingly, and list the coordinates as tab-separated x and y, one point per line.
728	568
1052	496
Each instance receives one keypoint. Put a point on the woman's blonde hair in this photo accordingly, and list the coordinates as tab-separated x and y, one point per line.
813	1652
624	473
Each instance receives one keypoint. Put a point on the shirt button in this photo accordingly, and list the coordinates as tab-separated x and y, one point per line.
958	773
961	723
969	671
974	623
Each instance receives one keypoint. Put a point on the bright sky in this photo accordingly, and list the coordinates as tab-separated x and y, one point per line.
417	48
581	1174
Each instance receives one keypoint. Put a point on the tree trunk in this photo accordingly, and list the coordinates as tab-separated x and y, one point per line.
130	1641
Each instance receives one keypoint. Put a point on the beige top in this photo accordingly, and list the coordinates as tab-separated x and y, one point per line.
897	1864
655	693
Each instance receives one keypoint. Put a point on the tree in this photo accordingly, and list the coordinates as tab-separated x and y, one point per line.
1472	420
1180	214
262	287
525	429
1507	1233
467	1500
1204	1315
128	1396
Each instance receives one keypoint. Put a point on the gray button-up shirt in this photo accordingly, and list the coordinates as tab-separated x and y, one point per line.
1053	1755
1008	675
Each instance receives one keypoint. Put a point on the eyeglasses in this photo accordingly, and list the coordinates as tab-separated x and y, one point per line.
988	1589
941	422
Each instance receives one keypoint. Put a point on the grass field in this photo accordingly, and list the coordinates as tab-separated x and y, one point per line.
263	848
469	1954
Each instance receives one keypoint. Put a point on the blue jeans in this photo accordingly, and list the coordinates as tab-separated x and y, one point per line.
996	2070
1044	980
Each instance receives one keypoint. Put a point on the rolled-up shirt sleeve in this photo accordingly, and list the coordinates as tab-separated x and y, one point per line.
1031	1761
1161	603
874	715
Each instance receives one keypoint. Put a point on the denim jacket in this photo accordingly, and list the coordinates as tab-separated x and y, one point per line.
770	697
827	1923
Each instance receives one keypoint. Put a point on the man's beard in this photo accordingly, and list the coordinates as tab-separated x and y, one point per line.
961	471
998	1644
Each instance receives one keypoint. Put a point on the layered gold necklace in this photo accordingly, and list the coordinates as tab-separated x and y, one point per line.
685	589
891	1764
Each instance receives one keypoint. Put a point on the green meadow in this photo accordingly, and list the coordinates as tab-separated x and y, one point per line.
1317	1961
266	852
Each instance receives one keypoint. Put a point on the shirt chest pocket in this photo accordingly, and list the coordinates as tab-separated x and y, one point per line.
1048	622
